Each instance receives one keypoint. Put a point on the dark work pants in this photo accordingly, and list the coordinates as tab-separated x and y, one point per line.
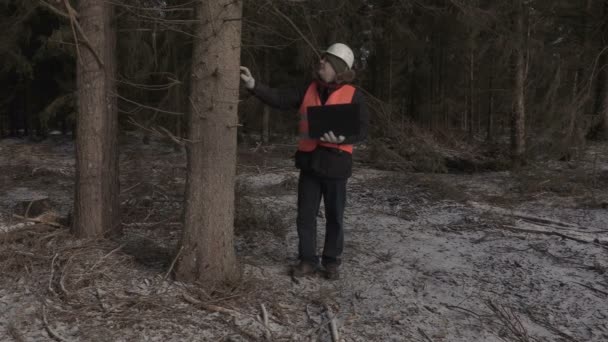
310	190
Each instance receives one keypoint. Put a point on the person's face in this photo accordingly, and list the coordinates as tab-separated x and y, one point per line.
326	71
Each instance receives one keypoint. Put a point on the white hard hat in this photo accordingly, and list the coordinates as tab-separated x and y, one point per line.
343	52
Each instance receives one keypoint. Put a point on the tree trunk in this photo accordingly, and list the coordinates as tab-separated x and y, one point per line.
490	123
519	64
96	205
207	248
471	97
603	79
266	110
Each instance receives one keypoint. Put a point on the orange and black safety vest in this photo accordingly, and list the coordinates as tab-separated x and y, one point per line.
342	95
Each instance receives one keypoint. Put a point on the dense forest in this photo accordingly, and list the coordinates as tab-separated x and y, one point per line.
522	75
147	194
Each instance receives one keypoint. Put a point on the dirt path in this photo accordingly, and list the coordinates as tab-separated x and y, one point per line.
427	257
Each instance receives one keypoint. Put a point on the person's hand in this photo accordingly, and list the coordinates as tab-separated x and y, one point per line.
331	138
248	80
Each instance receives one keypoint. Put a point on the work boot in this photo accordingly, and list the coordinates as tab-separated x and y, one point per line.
303	269
332	271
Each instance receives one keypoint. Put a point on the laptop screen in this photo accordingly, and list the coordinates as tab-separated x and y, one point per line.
342	119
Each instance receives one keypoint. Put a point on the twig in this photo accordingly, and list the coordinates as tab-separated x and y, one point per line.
424	334
173	262
267	333
130	188
551	223
64	274
35	220
563	236
50	331
52	273
456	307
107	255
333	325
171	136
146	107
54	9
295	27
27	211
510	321
209	307
72	26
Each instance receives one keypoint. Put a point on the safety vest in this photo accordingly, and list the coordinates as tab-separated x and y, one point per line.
342	95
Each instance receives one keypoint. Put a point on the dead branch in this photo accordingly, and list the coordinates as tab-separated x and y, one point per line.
545	232
459	308
35	220
48	329
552	223
107	255
295	27
173	262
267	333
209	307
146	107
52	273
171	136
54	9
333	325
73	22
130	188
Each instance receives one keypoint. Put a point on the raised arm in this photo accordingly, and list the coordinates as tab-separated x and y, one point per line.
284	99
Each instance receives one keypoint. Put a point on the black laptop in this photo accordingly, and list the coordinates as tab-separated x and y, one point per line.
342	119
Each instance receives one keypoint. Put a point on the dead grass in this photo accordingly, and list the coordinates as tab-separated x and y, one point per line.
102	285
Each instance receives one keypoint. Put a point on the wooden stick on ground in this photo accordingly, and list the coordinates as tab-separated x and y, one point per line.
333	325
563	236
52	273
210	307
35	220
267	333
173	262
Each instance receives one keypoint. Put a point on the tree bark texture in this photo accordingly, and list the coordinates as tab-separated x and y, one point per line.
519	108
96	205
207	251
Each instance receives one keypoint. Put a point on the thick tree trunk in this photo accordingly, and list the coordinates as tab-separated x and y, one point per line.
519	64
207	248
96	206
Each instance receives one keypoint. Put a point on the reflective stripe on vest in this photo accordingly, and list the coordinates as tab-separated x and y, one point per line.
342	95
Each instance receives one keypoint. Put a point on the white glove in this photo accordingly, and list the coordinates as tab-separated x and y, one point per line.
331	138
248	80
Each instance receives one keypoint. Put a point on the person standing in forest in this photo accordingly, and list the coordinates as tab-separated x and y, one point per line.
326	163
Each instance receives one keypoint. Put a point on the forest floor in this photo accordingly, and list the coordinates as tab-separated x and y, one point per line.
495	256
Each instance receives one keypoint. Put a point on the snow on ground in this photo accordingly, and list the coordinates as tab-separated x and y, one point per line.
467	257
